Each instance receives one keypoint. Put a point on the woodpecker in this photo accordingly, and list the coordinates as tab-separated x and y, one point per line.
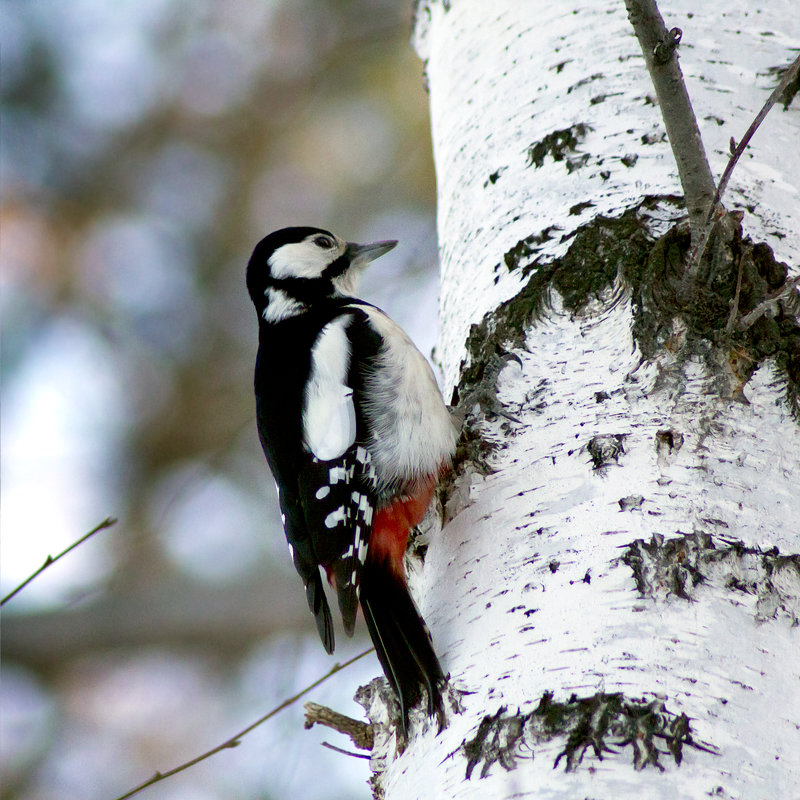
356	435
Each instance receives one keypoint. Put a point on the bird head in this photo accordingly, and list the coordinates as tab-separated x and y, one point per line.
294	267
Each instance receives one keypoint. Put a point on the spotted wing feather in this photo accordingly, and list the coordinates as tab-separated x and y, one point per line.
305	561
338	504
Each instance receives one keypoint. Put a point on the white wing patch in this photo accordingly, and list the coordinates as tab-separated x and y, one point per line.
329	417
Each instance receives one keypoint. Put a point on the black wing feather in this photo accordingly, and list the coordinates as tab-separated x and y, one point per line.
307	566
338	500
327	505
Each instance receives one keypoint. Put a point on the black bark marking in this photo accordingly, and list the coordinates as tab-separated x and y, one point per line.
561	145
679	566
604	724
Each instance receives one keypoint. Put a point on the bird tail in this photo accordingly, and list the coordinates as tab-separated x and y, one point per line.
318	603
401	639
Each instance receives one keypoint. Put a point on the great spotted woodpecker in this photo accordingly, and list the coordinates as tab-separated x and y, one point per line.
356	435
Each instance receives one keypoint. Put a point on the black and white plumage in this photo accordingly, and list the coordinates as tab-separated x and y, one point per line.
356	435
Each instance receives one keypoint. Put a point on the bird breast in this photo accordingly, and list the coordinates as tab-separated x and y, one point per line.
411	432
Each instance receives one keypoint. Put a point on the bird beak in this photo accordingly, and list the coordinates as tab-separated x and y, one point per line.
364	253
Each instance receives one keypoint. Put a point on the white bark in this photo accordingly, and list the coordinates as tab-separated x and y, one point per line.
531	587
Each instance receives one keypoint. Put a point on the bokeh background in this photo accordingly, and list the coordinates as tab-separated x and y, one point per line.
147	145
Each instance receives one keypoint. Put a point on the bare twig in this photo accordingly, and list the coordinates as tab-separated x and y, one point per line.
360	733
345	752
235	740
735	304
659	49
753	316
108	522
737	150
699	246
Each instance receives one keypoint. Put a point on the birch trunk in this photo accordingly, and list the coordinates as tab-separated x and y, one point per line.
616	588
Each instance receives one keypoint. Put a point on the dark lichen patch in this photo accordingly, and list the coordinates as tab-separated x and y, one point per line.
575	210
561	145
599	251
495	741
472	448
604	724
669	441
730	355
597	76
668	444
606	449
788	94
678	566
606	248
667	567
494	177
609	248
600	98
520	254
633	502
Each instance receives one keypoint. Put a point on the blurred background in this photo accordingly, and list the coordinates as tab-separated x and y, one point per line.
147	145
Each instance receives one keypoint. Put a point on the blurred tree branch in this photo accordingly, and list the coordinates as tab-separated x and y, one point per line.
175	613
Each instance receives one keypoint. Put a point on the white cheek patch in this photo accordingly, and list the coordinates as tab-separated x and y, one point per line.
280	306
300	260
329	417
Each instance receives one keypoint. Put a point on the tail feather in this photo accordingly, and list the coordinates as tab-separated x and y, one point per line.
345	573
401	639
318	603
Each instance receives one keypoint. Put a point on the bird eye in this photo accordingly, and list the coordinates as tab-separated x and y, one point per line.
324	241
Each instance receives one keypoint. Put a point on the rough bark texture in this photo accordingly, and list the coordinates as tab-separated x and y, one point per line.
615	588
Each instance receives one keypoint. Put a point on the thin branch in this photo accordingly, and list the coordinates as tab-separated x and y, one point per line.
360	733
699	247
737	151
235	740
753	316
345	752
735	304
108	522
659	49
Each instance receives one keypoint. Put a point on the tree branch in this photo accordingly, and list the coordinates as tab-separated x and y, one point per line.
762	308
699	246
735	304
108	522
659	49
178	612
737	150
359	732
345	752
235	740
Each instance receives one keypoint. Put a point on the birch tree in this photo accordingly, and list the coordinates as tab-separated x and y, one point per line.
615	587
